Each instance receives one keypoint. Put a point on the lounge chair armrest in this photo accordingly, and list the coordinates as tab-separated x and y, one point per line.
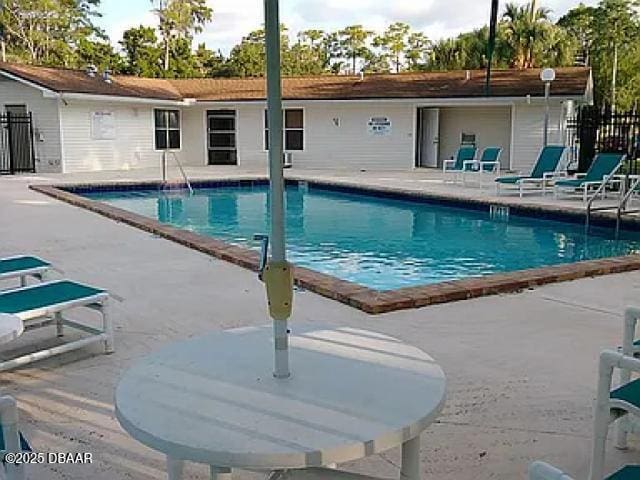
490	163
544	471
471	164
612	178
449	161
614	359
548	175
532	180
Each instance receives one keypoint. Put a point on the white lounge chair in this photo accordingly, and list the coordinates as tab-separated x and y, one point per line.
23	266
11	439
43	304
487	164
603	166
465	160
541	175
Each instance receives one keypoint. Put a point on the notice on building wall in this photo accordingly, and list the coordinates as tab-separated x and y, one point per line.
103	125
379	126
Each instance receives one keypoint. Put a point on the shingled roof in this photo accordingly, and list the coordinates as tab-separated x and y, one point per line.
570	81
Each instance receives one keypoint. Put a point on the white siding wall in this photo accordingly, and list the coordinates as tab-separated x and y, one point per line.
133	146
347	146
528	126
194	136
491	125
46	123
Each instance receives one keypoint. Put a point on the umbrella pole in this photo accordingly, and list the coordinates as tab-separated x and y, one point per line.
278	276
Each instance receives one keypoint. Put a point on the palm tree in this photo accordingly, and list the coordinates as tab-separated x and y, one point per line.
525	29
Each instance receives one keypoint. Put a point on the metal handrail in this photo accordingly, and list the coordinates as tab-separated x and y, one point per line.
182	172
598	191
622	206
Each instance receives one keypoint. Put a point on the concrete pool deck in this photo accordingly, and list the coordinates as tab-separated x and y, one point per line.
521	367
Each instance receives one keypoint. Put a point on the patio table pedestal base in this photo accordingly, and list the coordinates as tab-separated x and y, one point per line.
410	466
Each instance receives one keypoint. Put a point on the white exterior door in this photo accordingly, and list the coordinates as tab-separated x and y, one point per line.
430	126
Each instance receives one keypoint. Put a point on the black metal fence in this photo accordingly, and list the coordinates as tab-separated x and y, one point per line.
16	143
594	130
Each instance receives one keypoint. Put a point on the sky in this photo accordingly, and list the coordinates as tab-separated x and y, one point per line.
232	19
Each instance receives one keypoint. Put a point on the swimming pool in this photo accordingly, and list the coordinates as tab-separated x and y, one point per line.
382	242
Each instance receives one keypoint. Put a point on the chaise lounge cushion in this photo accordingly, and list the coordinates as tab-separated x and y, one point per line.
630	472
629	392
18	264
44	295
509	179
570	182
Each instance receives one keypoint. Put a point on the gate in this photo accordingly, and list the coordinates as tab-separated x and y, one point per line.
16	143
594	130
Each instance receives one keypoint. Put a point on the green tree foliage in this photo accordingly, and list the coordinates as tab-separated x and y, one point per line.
209	63
143	54
393	43
417	50
609	40
179	20
579	24
535	41
99	53
47	31
353	44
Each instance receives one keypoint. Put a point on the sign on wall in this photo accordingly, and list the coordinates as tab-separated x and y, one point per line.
103	125
379	126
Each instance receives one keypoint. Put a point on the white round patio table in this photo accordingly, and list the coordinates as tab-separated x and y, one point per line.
213	400
11	327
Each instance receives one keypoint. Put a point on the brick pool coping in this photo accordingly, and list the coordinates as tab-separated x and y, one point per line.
350	293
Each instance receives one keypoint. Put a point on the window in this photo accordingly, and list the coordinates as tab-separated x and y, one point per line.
167	129
221	129
293	129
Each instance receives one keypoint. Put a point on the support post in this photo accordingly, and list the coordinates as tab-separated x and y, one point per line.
547	90
59	324
410	467
175	468
276	177
107	327
164	166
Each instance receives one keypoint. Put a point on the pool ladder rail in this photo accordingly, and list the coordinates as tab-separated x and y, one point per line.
627	189
165	154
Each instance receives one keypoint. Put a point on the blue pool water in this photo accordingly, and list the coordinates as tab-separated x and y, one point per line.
382	243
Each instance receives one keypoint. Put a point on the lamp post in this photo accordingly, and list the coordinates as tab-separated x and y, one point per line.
547	75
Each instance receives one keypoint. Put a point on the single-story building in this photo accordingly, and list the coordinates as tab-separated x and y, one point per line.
87	120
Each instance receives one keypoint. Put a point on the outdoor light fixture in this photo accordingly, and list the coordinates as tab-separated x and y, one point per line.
547	75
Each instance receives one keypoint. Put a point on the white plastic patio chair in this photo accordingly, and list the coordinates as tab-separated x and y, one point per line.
630	347
611	404
544	471
11	440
